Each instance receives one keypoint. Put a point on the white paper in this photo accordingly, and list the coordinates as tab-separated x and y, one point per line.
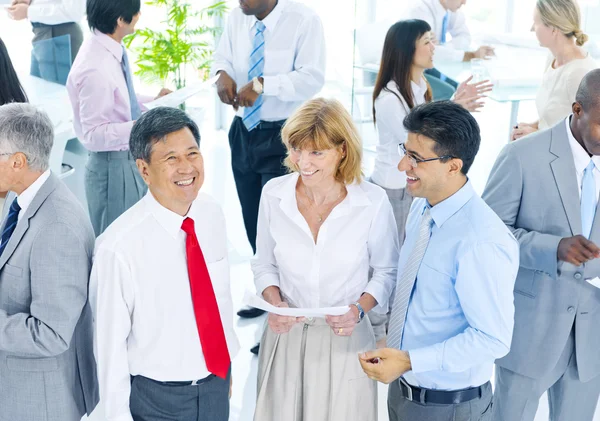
178	97
254	300
595	282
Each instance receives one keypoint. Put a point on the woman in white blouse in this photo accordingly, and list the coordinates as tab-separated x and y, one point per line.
320	230
407	52
556	24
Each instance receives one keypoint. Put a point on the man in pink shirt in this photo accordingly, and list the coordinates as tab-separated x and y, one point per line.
105	106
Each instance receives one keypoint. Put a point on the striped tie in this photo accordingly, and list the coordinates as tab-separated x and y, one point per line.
10	225
588	200
407	281
257	64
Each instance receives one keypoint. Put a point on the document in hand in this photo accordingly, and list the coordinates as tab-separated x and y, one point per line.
595	282
254	300
178	97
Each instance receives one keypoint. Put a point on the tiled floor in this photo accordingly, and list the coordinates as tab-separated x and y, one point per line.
219	183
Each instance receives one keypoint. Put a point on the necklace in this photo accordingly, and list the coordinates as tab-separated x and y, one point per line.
313	205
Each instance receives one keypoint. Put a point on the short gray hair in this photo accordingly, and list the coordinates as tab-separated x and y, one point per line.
27	129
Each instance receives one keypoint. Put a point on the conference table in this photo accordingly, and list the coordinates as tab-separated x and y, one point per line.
516	74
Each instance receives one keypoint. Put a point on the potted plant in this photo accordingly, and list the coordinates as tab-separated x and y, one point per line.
184	44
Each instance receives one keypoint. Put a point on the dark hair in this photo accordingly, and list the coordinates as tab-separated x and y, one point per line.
10	87
452	128
397	60
588	92
153	126
103	15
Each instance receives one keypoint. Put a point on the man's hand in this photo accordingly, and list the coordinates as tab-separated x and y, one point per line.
247	96
163	92
18	11
482	52
521	130
577	250
385	365
20	1
227	90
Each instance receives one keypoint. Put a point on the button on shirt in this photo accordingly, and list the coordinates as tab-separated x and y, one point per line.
294	56
390	109
460	314
141	299
432	12
99	96
582	159
55	12
359	233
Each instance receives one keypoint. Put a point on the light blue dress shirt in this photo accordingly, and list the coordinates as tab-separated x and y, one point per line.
461	312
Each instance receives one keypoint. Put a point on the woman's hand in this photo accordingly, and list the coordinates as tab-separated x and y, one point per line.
282	324
344	325
470	95
522	129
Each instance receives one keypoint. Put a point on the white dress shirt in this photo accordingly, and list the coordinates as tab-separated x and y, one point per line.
54	12
432	12
141	300
556	94
27	196
582	159
359	233
294	56
390	112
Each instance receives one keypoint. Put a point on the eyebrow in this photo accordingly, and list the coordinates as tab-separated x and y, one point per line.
188	149
416	154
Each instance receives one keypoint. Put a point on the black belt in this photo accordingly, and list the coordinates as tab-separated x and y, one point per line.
44	25
268	125
441	397
183	383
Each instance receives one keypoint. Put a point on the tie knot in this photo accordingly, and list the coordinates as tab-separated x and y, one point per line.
590	166
260	27
14	207
188	226
427	218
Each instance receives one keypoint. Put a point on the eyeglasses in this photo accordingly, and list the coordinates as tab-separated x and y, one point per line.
414	161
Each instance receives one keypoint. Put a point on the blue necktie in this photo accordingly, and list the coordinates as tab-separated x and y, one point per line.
444	28
588	200
136	112
11	223
257	64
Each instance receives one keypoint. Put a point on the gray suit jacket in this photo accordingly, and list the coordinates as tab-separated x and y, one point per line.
533	189
47	366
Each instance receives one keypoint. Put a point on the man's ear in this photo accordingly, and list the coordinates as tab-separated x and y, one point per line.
455	166
142	167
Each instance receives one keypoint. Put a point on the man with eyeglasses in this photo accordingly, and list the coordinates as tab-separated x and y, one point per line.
452	312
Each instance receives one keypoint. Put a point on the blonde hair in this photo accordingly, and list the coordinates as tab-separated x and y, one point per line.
563	15
321	124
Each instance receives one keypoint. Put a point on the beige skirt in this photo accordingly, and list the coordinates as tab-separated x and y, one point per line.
311	374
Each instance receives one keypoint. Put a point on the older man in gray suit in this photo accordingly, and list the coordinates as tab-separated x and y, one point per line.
545	188
47	367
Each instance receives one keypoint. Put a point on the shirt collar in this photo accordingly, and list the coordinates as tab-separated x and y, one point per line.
168	219
115	48
437	6
445	209
580	156
272	18
27	196
419	89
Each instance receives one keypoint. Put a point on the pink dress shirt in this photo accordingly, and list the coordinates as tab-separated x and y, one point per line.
99	97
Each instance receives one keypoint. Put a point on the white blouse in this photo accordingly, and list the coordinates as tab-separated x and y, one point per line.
360	233
390	112
559	86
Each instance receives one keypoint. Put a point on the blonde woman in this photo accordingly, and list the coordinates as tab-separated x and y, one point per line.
557	26
320	229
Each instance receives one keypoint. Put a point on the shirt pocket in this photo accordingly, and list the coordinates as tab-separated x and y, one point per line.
436	289
279	62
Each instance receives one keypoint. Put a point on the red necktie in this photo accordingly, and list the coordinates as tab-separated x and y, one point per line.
208	318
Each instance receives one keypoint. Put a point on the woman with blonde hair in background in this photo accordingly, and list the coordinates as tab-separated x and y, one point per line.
557	26
321	228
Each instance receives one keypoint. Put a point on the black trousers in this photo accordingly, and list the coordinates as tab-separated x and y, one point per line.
256	157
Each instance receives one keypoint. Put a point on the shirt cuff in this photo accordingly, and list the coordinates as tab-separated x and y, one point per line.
271	85
222	67
266	281
426	359
382	299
